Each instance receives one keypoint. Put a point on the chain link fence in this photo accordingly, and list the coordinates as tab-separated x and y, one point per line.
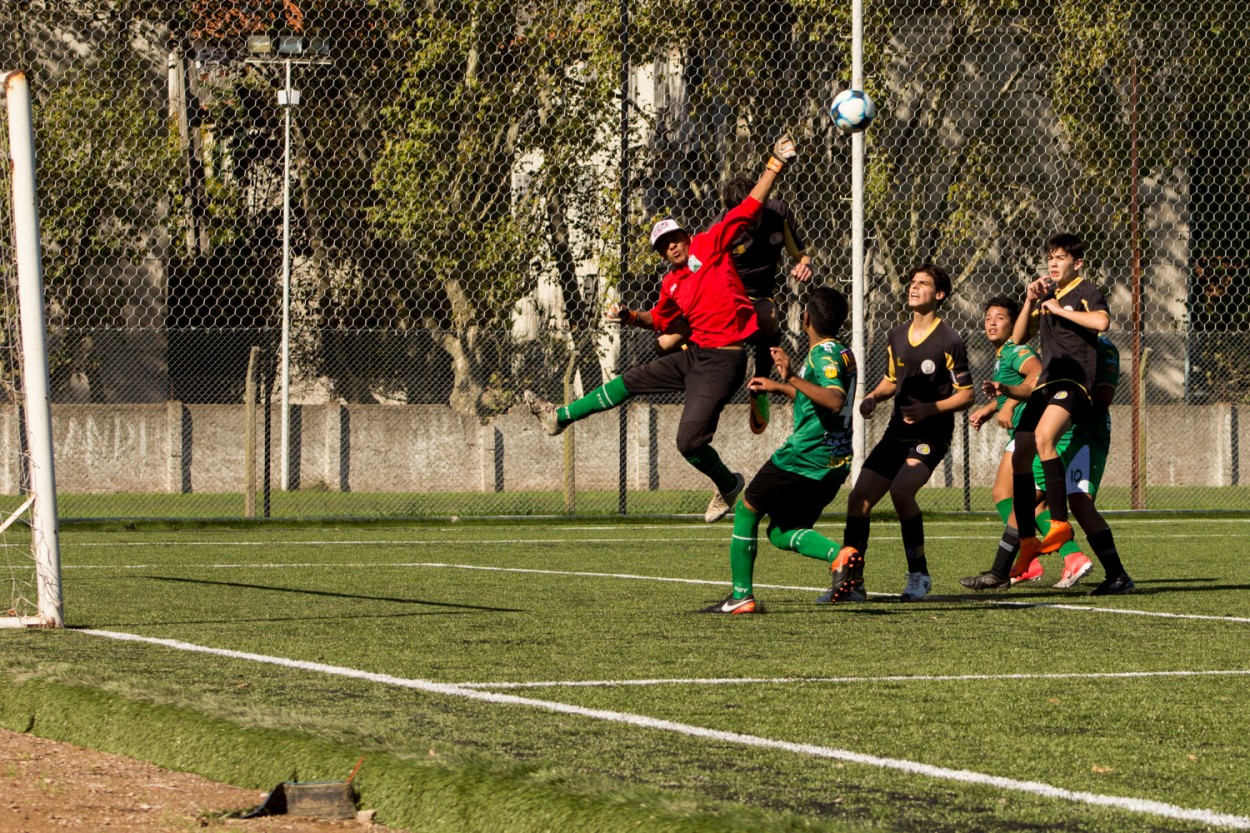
302	256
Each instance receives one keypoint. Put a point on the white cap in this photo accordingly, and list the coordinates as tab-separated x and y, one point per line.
666	226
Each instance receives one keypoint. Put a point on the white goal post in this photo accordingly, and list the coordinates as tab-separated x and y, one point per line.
33	391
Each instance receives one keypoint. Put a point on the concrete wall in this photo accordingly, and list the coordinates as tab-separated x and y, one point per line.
175	447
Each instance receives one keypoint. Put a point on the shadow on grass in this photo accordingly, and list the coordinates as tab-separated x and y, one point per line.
330	594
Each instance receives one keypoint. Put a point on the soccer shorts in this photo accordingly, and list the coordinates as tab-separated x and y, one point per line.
791	500
890	453
1063	393
709	377
1083	465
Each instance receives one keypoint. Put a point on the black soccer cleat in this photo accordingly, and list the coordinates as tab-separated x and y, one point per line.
1114	586
733	606
986	581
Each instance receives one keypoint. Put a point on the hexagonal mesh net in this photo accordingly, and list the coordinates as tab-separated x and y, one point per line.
381	221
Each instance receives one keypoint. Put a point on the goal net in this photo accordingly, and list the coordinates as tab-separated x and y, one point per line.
29	539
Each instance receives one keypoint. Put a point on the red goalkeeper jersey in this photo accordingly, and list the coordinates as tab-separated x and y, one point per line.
707	290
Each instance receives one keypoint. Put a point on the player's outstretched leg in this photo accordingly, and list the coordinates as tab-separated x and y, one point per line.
555	418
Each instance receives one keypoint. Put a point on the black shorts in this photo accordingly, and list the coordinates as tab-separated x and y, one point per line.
1063	393
791	500
708	376
891	452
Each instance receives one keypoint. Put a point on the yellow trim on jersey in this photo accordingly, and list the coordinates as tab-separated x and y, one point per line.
950	366
791	246
889	365
927	333
1059	294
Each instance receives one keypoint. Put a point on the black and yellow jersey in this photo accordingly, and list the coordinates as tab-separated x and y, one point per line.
1069	351
926	367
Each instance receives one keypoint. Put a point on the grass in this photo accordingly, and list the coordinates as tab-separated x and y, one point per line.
962	681
314	504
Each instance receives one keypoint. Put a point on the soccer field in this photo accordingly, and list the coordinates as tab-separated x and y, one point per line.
575	651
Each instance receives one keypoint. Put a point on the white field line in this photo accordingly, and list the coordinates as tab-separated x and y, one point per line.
884	535
631	577
934	678
1135	805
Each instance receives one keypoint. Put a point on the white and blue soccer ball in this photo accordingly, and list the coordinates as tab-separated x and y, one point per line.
852	111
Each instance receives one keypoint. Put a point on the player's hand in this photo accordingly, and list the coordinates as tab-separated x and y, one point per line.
1003	417
867	406
784	149
618	314
976	419
802	272
913	412
1040	288
992	389
781	362
762	384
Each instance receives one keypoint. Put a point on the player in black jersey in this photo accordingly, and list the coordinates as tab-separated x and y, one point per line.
1068	312
757	253
928	378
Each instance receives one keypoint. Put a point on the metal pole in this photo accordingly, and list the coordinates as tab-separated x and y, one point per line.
859	305
45	532
284	442
622	425
1138	473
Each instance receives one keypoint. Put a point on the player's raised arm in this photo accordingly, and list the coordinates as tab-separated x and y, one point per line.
784	152
1026	324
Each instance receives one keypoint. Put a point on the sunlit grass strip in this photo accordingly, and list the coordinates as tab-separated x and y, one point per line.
1134	805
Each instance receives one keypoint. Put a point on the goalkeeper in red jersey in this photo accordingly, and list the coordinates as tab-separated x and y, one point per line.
702	286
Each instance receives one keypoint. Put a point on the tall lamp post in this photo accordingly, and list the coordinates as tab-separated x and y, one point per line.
287	50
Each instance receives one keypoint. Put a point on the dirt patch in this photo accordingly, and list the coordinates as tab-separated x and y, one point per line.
47	786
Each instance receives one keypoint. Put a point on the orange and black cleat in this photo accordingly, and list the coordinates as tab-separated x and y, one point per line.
1060	533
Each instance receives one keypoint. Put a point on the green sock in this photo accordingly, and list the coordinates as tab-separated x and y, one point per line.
807	542
1069	548
603	398
1004	510
706	460
1043	523
742	549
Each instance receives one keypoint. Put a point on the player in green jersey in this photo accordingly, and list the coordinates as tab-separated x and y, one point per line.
1085	460
1083	451
1016	369
804	474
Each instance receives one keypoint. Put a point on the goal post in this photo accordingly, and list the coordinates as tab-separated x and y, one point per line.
30	391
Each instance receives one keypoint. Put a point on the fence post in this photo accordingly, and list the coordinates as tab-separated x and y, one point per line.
249	435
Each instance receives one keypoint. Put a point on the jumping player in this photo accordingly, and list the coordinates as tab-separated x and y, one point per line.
927	376
804	474
703	287
1068	312
757	253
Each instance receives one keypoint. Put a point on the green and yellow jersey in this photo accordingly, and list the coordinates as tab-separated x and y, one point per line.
1010	358
821	440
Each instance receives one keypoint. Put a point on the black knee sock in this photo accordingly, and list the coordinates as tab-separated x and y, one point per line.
913	544
1008	546
856	533
1023	497
1056	489
1103	545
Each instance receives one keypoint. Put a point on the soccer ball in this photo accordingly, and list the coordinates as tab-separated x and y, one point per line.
852	111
